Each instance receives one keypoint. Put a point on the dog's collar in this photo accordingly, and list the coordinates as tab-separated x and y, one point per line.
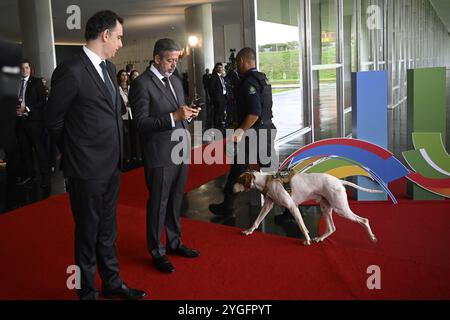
282	177
266	185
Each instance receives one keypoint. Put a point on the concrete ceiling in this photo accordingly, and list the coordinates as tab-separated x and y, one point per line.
442	8
143	18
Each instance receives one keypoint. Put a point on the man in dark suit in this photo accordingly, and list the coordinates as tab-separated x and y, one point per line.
159	108
84	116
206	80
29	126
218	92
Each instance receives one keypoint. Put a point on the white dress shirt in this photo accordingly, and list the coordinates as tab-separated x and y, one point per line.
96	60
222	82
23	104
124	96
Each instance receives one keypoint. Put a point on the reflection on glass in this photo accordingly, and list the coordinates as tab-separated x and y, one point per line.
325	104
348	124
366	37
350	63
324	49
277	37
372	35
323	31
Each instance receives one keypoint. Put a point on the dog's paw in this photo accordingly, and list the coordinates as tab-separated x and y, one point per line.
374	239
318	239
307	242
247	232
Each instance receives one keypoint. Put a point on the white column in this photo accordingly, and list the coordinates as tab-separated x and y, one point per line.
249	20
199	23
36	24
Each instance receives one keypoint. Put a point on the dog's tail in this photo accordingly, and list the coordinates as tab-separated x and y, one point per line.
347	183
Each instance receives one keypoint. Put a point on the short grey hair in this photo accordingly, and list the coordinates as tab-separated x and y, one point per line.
164	45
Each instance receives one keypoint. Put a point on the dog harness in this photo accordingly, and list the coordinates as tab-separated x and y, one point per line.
283	177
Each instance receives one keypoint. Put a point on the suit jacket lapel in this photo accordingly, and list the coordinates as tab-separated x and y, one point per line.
96	77
28	89
161	87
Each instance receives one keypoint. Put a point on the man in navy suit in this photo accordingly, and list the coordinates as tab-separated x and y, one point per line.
84	116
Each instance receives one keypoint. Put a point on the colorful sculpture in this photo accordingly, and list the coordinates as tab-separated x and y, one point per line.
342	158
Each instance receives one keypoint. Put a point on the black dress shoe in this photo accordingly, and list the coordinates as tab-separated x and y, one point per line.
124	292
221	210
163	264
184	252
24	182
45	181
284	218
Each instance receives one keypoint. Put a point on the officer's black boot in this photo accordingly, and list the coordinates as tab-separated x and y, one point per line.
284	218
226	208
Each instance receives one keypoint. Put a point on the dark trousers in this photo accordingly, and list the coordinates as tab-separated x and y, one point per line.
166	186
219	109
126	140
132	146
51	149
237	169
208	112
13	170
30	135
94	204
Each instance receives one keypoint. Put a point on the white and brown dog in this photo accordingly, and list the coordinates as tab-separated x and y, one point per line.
327	190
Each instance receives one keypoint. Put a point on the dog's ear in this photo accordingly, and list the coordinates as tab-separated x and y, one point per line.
246	179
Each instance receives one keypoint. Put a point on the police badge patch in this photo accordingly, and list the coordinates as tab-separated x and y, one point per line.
251	90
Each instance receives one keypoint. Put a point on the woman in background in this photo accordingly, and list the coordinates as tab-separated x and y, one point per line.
132	150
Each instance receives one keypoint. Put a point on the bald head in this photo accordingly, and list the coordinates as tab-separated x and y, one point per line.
246	59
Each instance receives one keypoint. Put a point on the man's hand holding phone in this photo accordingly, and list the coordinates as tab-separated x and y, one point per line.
185	113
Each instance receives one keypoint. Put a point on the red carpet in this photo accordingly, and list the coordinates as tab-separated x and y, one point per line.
36	247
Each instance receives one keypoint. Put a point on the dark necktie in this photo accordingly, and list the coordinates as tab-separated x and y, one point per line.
167	86
109	85
22	88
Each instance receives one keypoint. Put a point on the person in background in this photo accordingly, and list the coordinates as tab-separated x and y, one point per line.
49	143
136	150
232	81
133	75
185	82
124	85
218	92
128	68
30	126
206	80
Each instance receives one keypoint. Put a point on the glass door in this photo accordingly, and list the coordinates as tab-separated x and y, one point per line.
279	57
326	68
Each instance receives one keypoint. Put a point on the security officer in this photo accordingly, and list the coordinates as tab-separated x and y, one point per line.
254	109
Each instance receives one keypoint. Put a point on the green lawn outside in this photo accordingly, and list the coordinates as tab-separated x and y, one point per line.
283	67
275	91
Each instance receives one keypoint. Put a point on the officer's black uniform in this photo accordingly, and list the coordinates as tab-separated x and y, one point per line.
254	98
